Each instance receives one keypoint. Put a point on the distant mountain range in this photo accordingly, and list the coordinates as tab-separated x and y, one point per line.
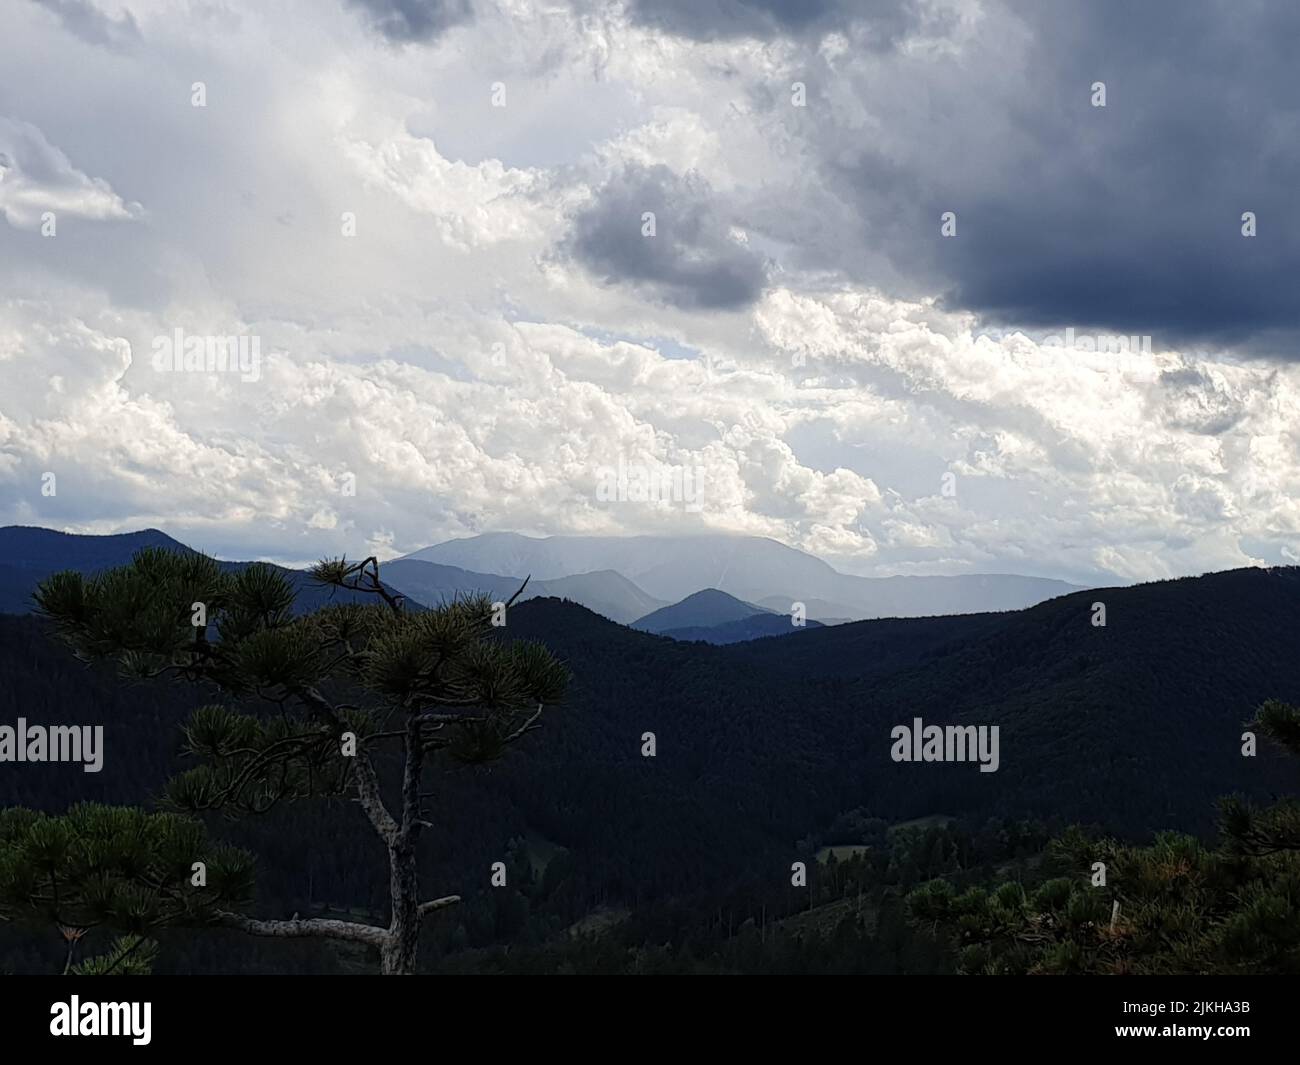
753	569
606	592
717	588
32	554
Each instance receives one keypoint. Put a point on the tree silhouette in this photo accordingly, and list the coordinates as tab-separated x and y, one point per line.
333	690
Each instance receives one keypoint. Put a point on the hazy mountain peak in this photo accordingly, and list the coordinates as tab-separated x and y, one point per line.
752	569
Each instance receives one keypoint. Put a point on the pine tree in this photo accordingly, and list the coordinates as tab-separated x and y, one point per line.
114	867
308	703
1176	906
1254	832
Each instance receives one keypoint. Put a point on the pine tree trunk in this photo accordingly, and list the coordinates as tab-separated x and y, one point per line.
397	956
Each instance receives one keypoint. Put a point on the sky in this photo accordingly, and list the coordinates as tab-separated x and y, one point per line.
835	267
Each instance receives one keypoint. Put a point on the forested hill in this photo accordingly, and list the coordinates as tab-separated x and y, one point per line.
28	555
48	550
1135	726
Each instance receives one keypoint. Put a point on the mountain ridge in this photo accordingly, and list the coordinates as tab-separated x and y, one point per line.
580	572
752	569
89	553
607	592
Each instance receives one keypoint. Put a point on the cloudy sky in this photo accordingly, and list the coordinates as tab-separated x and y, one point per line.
489	249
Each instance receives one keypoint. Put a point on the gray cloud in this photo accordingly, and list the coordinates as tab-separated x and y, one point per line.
1192	401
1126	217
36	177
885	22
83	19
691	261
414	21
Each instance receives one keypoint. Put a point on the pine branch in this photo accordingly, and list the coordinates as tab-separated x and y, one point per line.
426	908
314	927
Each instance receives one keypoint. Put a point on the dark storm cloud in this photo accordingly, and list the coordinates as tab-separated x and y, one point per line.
885	21
691	261
1126	217
414	21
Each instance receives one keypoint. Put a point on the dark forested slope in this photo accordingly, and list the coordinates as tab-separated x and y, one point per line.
1135	726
